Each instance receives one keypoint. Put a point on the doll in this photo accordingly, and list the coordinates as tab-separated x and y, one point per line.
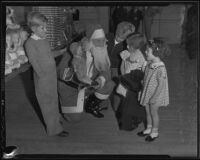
11	42
79	62
20	48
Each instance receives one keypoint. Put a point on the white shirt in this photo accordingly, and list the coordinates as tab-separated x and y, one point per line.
116	42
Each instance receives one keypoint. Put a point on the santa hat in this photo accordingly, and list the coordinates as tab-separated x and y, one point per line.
95	31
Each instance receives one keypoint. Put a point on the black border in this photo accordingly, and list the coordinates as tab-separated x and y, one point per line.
82	3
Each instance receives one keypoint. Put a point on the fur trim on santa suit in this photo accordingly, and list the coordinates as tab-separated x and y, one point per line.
99	33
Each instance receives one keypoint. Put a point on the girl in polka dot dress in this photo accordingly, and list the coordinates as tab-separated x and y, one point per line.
155	88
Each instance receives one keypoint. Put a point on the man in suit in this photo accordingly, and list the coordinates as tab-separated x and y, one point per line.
115	45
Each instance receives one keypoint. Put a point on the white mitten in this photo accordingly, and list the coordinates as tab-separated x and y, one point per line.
125	54
121	90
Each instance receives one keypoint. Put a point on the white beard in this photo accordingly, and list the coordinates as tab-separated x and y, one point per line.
101	59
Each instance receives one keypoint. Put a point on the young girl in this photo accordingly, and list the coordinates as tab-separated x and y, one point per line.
133	58
155	90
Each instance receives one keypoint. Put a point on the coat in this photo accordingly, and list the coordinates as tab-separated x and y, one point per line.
45	80
114	50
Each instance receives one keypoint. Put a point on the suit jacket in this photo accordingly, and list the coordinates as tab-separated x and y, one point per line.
114	50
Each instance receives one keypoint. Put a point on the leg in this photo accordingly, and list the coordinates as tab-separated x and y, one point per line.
149	118
46	93
92	106
155	118
147	131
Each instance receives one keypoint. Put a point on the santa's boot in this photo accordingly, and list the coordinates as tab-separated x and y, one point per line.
92	106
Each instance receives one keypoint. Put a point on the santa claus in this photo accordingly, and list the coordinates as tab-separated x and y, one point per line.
98	69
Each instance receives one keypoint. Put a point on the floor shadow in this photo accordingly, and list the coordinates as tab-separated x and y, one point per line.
27	79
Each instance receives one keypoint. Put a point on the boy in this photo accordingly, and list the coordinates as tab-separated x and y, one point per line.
45	77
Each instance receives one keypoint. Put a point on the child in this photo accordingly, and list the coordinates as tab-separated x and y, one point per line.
45	77
133	58
155	90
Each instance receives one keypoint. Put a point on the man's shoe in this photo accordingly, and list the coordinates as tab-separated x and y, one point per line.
63	134
142	134
94	112
102	108
97	114
150	139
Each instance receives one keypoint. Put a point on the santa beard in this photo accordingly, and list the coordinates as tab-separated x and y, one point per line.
101	59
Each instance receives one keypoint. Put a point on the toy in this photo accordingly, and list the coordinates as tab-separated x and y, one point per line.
15	38
11	38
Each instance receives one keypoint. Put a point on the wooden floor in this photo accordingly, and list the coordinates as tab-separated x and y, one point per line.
178	125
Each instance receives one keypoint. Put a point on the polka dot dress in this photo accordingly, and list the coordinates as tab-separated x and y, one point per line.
155	89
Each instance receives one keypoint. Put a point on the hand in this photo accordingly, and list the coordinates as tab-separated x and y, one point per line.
124	54
121	90
95	84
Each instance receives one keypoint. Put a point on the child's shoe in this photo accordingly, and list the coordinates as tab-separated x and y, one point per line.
142	134
145	132
150	139
152	136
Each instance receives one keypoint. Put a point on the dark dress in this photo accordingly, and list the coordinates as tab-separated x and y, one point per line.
130	108
45	80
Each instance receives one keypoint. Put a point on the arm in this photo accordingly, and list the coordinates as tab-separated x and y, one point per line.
103	77
122	67
64	63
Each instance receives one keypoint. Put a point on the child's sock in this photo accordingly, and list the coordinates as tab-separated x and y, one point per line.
154	132
148	130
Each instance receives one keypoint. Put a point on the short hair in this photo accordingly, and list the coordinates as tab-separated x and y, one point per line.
159	48
124	29
35	15
136	40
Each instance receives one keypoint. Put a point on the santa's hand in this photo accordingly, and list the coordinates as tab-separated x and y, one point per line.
95	84
87	80
121	90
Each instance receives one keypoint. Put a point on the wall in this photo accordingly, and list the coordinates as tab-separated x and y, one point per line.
90	15
168	23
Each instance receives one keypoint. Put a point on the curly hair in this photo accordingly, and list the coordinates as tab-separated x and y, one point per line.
124	29
159	47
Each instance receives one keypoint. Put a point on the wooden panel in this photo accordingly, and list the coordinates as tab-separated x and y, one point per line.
168	23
